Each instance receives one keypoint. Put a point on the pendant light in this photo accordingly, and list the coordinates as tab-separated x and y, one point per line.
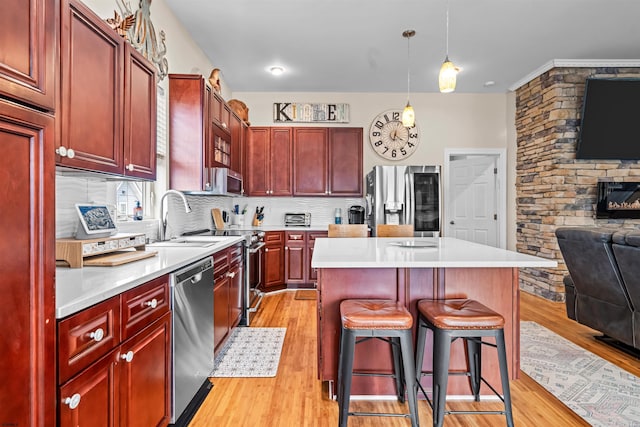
408	115
448	71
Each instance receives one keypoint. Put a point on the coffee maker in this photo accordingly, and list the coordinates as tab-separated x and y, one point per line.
356	215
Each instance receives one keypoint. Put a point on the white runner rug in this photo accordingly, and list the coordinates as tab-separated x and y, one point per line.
595	389
250	352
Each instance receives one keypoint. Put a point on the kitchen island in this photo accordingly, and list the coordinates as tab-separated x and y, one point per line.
407	270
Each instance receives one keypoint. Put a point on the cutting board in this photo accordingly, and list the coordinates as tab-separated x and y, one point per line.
118	258
217	218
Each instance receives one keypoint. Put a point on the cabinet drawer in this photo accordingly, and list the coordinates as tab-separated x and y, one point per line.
235	255
316	235
220	262
295	236
86	336
143	305
274	237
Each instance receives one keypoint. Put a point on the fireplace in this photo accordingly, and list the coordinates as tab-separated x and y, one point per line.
618	200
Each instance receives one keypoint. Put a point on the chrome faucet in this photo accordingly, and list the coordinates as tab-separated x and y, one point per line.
163	216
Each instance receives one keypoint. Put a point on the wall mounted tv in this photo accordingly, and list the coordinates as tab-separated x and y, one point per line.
610	124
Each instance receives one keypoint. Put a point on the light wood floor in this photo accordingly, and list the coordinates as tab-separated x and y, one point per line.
296	398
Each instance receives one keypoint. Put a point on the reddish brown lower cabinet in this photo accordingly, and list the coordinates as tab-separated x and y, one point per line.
115	361
236	279
27	250
274	277
311	241
295	260
89	398
221	325
145	380
228	277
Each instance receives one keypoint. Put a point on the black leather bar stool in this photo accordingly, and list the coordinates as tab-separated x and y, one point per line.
386	320
470	320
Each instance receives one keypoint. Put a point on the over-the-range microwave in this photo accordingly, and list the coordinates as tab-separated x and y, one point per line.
224	181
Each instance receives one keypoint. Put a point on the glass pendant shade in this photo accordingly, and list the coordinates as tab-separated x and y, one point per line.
447	77
408	116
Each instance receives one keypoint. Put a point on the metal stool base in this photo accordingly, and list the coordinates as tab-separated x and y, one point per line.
404	374
442	340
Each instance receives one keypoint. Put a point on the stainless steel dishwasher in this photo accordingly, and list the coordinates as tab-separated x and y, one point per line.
192	306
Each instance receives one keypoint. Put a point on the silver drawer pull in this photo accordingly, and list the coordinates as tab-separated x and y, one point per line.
97	335
127	357
153	303
231	274
72	401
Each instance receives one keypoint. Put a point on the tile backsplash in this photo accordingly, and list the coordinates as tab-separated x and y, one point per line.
73	189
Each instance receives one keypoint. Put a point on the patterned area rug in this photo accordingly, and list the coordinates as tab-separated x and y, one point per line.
600	392
250	352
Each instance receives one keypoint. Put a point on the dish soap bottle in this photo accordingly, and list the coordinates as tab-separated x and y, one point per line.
137	212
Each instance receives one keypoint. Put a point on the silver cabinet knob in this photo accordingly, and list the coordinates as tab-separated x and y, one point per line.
72	401
153	303
127	357
231	274
97	335
130	167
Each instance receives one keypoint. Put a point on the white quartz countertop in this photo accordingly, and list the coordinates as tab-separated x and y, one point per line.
418	252
79	288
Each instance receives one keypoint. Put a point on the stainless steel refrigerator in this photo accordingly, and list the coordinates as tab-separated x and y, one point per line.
405	195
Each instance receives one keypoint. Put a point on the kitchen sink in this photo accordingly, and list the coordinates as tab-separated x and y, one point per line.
192	242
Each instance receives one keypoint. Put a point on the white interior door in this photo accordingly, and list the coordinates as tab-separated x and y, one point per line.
473	199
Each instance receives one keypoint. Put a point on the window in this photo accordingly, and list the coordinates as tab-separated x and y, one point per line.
128	193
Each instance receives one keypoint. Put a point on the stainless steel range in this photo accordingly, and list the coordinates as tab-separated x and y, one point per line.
253	267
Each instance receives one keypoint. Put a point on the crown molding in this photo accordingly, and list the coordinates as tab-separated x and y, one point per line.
574	63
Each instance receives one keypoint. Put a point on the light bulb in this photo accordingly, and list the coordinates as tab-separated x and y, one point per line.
408	116
447	77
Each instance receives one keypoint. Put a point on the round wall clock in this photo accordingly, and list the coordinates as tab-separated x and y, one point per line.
389	139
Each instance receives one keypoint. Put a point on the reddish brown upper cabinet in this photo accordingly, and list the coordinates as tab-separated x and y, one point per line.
139	116
238	131
268	160
327	162
28	35
107	99
345	162
310	161
27	250
198	140
189	132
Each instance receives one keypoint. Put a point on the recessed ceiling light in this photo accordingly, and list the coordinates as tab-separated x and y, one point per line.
276	71
489	83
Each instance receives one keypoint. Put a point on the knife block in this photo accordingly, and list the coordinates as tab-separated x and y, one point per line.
256	222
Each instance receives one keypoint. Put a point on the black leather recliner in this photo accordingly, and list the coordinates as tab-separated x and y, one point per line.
596	288
626	247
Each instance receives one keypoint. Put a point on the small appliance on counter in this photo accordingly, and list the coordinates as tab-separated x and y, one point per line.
356	215
297	219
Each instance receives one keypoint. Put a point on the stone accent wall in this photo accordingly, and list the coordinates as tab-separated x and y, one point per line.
554	189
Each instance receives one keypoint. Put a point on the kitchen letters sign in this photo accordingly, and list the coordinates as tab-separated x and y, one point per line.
285	112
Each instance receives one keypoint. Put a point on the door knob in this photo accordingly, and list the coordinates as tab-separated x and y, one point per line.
451	222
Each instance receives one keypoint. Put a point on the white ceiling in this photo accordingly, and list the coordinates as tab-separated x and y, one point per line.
357	45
